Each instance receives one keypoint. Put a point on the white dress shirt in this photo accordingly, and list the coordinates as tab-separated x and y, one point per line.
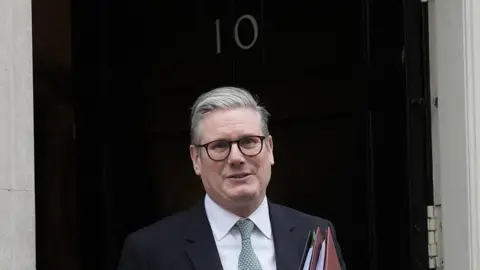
229	241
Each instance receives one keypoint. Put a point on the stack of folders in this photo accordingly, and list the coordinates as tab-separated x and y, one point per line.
320	252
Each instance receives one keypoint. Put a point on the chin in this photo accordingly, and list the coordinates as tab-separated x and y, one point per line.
243	194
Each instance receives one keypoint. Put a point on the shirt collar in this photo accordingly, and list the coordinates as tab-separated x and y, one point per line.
222	220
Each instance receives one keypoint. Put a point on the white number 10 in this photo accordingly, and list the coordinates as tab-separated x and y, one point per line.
239	43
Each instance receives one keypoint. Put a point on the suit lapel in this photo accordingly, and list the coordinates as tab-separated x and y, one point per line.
289	239
200	244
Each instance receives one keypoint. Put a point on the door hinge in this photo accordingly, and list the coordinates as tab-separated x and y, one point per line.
434	225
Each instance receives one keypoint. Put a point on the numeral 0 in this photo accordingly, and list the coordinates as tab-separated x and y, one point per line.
239	43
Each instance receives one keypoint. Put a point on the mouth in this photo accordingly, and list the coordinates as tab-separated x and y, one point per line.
238	175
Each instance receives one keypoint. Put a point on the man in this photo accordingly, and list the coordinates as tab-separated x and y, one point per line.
234	226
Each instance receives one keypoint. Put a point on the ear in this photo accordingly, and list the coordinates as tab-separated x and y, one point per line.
269	145
195	156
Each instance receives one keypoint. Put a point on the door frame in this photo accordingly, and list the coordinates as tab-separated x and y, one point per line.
454	49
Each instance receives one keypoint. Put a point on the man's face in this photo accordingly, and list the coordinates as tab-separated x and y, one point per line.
238	179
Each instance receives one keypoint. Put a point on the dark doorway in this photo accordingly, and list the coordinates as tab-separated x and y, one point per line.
345	84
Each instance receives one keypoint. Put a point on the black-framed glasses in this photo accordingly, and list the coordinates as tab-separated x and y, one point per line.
220	149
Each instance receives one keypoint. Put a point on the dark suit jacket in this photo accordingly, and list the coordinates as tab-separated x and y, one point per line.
185	241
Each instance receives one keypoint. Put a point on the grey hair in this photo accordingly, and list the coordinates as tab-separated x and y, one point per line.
225	98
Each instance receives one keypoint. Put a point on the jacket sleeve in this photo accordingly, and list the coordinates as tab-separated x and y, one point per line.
131	257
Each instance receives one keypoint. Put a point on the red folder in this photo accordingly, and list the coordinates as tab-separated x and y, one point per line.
317	244
331	257
316	249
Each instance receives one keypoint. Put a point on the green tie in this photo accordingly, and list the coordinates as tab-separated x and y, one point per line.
247	259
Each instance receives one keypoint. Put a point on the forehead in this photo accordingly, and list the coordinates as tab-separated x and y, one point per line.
230	124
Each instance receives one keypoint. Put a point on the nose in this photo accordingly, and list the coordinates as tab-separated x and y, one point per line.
236	157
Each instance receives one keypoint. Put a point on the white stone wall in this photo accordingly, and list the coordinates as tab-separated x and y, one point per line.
17	198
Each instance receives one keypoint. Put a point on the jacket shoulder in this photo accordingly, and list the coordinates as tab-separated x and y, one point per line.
152	244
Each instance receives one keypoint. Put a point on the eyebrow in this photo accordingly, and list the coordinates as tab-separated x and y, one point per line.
237	138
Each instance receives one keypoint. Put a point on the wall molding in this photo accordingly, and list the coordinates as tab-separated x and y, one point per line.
471	22
454	27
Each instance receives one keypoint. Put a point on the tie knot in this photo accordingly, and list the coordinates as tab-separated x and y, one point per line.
245	226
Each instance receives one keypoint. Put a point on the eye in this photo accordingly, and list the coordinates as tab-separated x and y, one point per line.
218	145
249	142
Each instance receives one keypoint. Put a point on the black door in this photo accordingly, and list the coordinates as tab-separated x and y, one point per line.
344	83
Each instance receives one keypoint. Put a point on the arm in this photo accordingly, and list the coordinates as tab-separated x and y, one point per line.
131	257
